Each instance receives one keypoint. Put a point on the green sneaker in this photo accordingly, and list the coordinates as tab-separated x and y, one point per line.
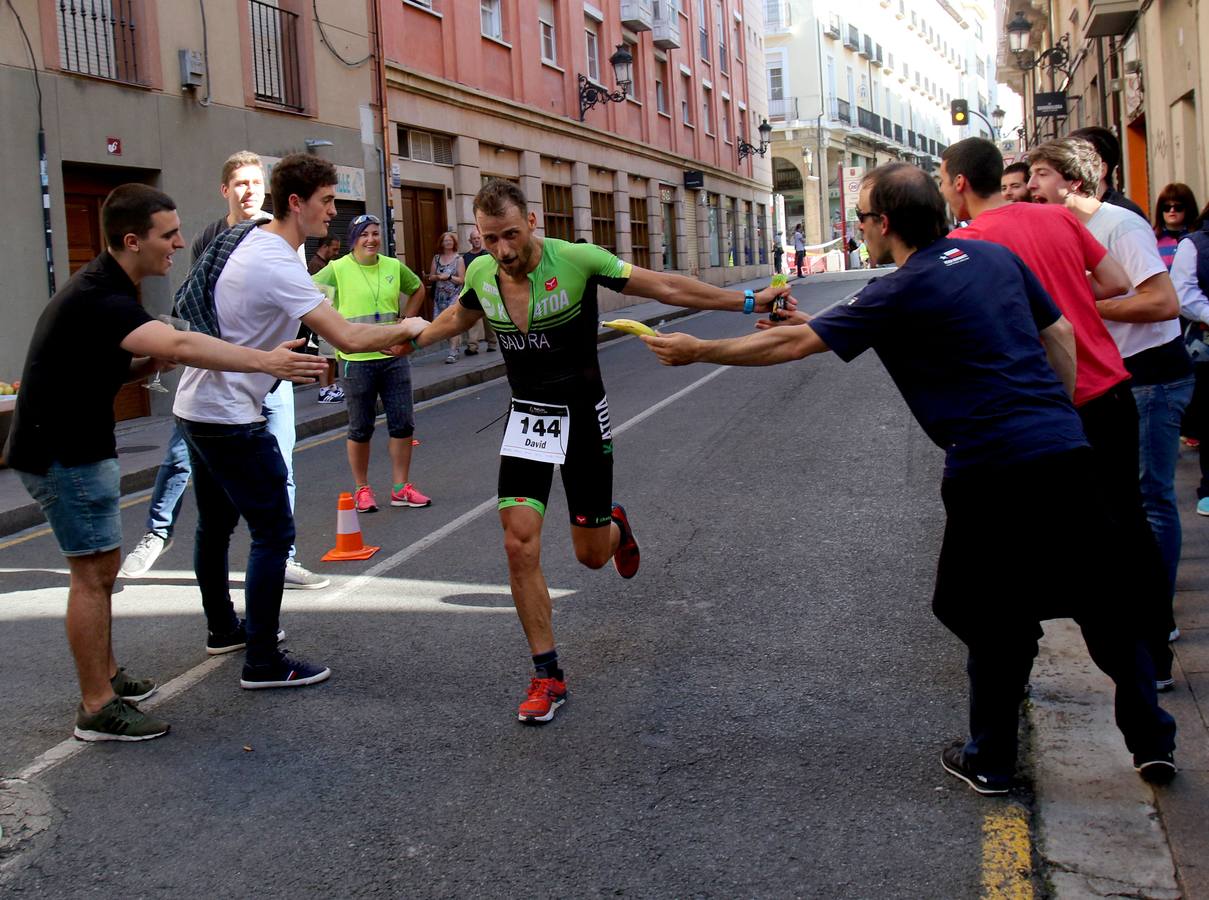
118	720
132	689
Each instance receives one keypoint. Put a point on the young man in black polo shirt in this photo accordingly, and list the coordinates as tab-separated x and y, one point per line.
980	379
92	338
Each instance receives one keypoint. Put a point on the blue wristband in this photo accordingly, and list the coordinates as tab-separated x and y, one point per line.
749	302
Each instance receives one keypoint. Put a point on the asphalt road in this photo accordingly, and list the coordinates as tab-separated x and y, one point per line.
759	713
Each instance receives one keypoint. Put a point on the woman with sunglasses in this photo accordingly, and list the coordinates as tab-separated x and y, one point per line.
365	287
1173	215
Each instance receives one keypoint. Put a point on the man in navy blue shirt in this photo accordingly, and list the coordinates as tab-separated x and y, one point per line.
986	363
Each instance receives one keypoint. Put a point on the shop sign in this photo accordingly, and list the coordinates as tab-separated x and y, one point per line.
1051	104
350	182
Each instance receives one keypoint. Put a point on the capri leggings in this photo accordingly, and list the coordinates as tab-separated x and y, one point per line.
367	380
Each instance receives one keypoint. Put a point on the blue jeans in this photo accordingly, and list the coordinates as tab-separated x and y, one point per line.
170	484
174	471
1160	410
239	471
81	505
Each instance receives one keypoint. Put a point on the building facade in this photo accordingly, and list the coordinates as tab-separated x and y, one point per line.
856	84
134	90
1134	67
485	88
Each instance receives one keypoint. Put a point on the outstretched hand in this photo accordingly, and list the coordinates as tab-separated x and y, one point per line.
1083	207
765	298
300	368
789	316
675	349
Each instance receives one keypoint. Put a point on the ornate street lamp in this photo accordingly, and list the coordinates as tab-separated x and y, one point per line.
1056	57
1019	30
746	149
997	117
590	94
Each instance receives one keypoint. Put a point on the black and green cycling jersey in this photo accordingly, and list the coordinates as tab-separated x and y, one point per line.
554	358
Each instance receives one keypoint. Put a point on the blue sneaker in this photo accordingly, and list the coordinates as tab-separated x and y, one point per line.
285	672
1202	506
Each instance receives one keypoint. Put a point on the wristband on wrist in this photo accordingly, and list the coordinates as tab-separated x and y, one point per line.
749	302
414	344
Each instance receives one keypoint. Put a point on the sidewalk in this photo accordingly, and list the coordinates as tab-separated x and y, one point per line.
1101	830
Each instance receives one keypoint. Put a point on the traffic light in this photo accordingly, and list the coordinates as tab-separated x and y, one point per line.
960	111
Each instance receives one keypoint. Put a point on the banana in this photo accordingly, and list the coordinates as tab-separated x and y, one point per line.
779	281
629	326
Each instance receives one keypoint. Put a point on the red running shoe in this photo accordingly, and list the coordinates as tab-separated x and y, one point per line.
544	697
625	560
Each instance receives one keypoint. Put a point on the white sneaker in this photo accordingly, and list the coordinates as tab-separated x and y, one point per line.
299	578
1174	636
140	560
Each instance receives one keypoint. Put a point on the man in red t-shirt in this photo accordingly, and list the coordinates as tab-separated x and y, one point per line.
1055	246
1060	251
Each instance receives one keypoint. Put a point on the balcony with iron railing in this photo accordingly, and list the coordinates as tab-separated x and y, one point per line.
99	38
276	73
868	120
783	109
840	110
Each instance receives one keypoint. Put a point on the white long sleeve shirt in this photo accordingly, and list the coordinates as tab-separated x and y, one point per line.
1194	304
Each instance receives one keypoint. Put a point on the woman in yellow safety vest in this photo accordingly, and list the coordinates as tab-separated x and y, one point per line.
365	287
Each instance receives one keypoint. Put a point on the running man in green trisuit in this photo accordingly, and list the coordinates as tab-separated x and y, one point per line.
539	294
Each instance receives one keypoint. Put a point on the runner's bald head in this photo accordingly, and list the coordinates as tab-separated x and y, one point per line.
494	198
911	202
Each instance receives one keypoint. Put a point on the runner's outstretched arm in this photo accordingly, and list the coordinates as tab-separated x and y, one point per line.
679	290
454	320
762	348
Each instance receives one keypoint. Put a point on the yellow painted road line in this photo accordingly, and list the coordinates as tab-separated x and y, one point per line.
1006	855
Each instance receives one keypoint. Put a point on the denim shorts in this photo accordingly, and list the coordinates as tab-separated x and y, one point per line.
81	505
366	380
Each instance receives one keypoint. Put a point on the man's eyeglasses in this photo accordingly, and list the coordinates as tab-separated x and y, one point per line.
366	217
862	216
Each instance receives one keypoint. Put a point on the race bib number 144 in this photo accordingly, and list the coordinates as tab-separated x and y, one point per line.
537	431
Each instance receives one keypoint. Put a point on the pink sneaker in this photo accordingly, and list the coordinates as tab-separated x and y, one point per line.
409	496
364	499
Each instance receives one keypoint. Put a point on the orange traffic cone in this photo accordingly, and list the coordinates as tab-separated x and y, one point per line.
348	534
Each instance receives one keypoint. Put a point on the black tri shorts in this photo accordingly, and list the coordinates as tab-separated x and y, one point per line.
587	473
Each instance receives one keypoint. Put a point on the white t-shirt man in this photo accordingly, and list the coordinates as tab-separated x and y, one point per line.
1129	240
260	295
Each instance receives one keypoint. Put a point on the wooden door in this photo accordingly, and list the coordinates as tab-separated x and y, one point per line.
84	191
422	217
